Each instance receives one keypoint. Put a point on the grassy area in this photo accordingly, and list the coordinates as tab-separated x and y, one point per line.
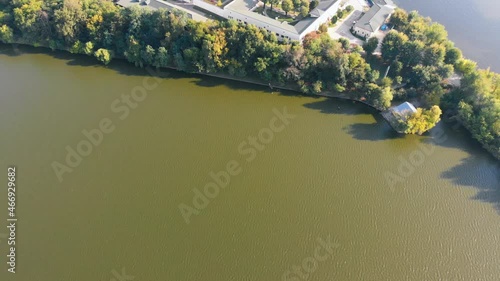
272	14
259	10
376	63
341	15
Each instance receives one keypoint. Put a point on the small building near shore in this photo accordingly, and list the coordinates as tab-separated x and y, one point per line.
397	115
372	20
404	110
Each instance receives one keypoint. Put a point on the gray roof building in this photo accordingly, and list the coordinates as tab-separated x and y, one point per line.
235	8
374	18
324	9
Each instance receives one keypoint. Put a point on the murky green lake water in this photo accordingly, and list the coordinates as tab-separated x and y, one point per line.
331	193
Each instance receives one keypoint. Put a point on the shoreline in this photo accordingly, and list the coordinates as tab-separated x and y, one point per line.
326	94
252	81
249	80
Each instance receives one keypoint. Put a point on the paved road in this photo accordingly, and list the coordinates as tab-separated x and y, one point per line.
342	29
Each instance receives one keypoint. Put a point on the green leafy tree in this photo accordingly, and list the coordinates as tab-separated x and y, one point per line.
370	45
396	67
68	21
5	16
148	55
323	28
340	13
423	76
287	6
103	56
6	34
77	48
161	59
344	42
393	44
261	64
297	4
377	96
273	2
399	19
434	54
88	49
412	53
386	82
373	75
466	66
453	55
423	120
133	51
445	71
313	4
435	33
317	87
304	8
27	18
304	11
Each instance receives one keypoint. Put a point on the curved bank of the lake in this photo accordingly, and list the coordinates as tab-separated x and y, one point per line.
472	24
248	80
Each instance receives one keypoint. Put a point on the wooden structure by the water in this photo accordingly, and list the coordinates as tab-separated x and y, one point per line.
398	114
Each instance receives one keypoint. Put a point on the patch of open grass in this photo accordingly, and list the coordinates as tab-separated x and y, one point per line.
259	10
275	15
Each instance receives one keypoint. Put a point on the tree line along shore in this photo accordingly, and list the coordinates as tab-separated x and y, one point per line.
420	56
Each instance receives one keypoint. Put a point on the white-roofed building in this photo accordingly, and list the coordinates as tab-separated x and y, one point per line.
242	11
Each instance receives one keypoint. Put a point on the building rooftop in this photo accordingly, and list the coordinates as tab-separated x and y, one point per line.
404	109
242	7
380	2
160	4
322	7
131	3
374	18
397	115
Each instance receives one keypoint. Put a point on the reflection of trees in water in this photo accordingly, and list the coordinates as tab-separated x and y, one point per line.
481	174
479	170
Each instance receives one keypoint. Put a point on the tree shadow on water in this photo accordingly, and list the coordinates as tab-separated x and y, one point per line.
378	131
481	173
340	106
213	81
479	169
375	131
123	67
15	50
120	66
